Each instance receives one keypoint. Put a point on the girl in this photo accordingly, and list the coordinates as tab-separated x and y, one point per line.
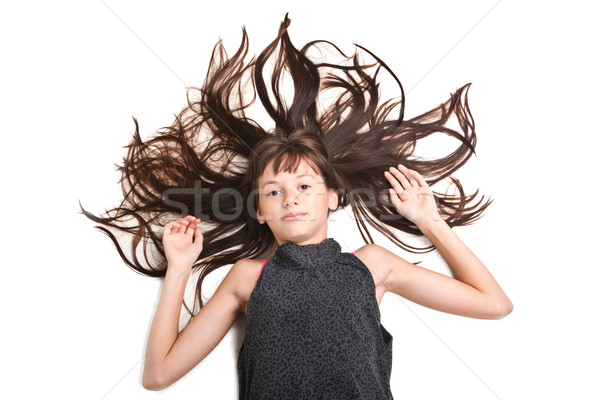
312	311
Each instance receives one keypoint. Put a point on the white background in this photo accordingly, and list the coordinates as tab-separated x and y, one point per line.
75	318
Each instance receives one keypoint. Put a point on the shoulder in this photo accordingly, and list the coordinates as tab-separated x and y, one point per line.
243	275
367	250
380	261
372	252
245	269
246	263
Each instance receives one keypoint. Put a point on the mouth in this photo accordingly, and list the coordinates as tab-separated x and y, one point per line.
293	216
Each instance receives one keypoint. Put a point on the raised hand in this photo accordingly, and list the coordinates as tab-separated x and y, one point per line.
411	195
182	241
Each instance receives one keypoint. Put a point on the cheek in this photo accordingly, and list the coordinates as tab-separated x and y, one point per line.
319	201
269	206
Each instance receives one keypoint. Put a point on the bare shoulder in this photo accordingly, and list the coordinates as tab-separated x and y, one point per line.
244	275
374	257
371	254
381	262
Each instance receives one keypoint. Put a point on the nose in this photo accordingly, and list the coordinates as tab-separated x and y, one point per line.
292	198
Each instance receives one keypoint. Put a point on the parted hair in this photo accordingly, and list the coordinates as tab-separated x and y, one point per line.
207	163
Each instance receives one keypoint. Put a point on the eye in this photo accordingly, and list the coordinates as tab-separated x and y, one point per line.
270	193
307	186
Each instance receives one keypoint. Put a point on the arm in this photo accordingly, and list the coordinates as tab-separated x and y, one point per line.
170	355
472	291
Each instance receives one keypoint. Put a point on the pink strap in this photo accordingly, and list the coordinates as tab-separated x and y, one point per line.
353	254
263	266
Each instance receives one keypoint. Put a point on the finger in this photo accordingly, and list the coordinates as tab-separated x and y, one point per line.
198	237
175	227
193	219
420	180
395	199
394	182
409	175
179	225
191	226
401	177
184	225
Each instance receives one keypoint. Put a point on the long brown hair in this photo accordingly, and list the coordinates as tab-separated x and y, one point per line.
208	161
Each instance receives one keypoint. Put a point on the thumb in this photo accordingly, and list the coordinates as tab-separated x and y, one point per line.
198	237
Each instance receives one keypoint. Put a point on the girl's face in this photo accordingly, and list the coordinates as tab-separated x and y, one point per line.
295	205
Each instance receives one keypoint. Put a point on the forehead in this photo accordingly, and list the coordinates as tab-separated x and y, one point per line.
303	168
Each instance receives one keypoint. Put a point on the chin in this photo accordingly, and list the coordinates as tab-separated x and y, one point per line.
293	235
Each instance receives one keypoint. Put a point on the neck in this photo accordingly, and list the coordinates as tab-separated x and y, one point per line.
303	241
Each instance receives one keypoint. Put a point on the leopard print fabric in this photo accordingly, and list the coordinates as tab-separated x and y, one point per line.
313	329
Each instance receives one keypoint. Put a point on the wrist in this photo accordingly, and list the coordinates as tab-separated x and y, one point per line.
432	226
178	268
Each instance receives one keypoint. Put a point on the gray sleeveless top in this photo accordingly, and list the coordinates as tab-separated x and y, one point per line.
313	329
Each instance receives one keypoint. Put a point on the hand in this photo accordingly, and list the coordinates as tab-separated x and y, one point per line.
182	241
411	195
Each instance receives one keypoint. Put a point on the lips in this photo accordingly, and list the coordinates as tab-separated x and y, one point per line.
293	216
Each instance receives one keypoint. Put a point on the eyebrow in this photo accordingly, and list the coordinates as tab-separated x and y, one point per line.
297	177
